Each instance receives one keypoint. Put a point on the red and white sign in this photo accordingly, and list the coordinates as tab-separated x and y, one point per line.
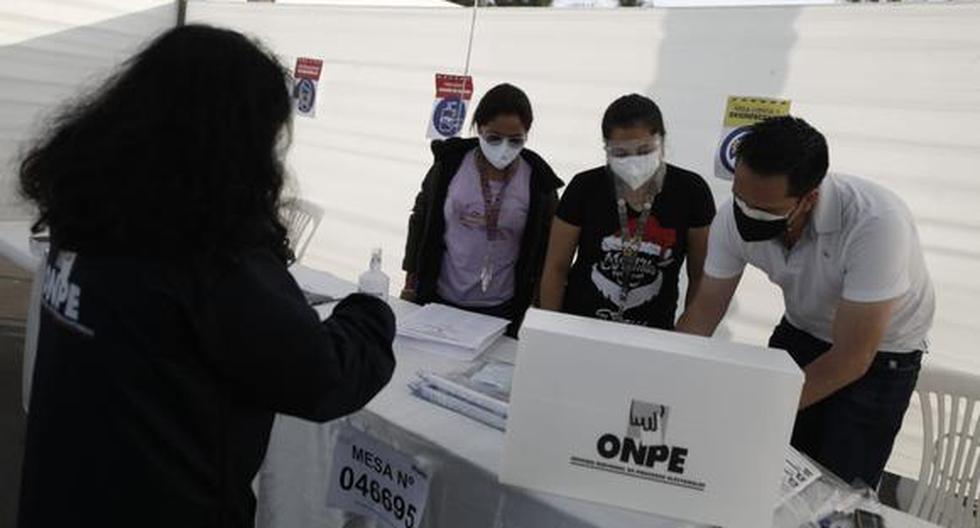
459	86
307	68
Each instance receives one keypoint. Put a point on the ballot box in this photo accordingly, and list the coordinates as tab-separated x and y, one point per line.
682	426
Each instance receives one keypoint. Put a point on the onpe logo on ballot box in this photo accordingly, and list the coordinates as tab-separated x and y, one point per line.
648	422
633	416
643	452
645	442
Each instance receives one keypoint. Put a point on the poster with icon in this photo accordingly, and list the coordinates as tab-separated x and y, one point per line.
453	94
740	114
306	76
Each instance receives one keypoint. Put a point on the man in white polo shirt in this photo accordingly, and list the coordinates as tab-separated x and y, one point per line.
859	301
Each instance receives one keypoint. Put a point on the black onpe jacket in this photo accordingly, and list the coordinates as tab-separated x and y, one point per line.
427	225
156	384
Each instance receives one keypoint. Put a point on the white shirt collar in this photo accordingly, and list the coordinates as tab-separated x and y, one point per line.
827	213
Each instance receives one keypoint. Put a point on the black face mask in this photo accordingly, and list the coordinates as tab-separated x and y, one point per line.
753	230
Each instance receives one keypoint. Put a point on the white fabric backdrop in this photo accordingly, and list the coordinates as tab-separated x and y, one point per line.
894	87
49	51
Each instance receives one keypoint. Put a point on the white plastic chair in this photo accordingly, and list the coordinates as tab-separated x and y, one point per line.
947	491
302	219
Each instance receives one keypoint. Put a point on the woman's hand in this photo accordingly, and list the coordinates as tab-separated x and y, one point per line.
561	248
408	292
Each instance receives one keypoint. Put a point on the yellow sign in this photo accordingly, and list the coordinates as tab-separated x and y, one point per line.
744	111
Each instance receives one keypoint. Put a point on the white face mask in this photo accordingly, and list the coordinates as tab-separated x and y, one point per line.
758	214
635	170
500	155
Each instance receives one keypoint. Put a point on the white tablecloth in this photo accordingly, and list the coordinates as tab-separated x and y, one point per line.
15	243
15	246
463	455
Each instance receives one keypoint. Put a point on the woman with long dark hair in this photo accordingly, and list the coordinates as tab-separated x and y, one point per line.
479	228
171	330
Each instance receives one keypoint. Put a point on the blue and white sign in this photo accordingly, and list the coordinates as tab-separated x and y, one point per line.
304	93
448	116
729	148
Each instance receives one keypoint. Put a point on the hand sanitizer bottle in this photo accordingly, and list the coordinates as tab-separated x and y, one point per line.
374	281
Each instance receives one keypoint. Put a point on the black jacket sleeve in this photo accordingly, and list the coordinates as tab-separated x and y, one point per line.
416	222
271	346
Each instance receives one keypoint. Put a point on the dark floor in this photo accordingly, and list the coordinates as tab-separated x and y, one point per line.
14	290
11	426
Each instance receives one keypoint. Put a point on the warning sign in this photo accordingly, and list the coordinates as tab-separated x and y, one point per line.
740	114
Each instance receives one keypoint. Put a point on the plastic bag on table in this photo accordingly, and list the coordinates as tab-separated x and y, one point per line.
827	503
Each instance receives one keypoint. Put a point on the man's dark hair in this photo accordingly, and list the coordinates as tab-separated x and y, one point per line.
786	146
633	110
504	99
174	155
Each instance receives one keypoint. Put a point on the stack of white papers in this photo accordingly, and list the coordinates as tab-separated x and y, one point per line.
314	281
495	377
450	331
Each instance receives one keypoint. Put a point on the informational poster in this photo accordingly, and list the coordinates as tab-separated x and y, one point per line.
740	114
306	76
373	479
453	94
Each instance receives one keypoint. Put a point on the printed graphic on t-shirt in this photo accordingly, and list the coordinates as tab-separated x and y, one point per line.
60	295
472	216
655	252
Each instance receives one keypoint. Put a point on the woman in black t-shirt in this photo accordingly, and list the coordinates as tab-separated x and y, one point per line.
632	223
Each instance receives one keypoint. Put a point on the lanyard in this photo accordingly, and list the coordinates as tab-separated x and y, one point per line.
491	203
631	240
491	214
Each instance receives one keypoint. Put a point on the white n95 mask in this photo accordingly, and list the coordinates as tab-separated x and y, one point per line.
500	154
635	170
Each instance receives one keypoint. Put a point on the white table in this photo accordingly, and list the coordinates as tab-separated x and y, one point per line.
15	246
15	243
464	457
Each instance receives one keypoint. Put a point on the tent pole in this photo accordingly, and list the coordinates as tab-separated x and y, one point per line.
181	12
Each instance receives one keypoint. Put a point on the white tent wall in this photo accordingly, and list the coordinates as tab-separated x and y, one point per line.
896	88
51	51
